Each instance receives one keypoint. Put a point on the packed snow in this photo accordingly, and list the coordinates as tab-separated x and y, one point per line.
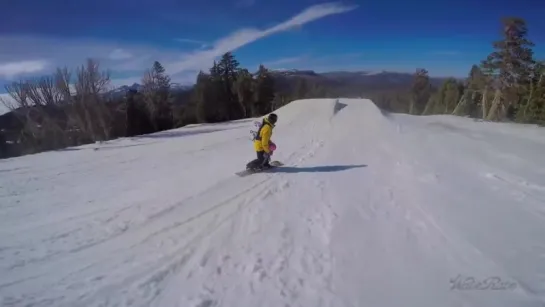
370	209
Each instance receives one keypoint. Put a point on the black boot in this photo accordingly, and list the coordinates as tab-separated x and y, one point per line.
252	164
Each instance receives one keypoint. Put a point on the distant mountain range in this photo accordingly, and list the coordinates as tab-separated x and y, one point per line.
358	77
122	90
346	83
380	79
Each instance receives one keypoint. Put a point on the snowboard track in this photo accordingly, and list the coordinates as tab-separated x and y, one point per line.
159	272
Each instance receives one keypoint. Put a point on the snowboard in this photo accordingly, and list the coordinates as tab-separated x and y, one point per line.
274	164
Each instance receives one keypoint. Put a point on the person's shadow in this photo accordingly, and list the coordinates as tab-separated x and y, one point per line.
314	169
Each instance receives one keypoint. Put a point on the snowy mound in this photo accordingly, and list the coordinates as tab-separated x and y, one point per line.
370	209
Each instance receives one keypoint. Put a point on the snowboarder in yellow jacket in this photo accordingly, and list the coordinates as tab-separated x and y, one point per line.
262	143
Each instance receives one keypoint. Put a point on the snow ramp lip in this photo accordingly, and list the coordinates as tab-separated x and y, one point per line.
328	106
328	109
370	113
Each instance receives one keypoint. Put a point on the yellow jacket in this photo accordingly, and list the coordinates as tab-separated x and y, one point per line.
261	142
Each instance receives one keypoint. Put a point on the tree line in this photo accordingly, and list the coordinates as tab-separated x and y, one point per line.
74	108
66	109
508	84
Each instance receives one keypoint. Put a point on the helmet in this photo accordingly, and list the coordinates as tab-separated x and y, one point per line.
272	146
272	118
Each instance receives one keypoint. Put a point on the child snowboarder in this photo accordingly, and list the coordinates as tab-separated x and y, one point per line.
262	144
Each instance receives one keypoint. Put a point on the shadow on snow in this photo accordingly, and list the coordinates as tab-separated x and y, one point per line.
315	169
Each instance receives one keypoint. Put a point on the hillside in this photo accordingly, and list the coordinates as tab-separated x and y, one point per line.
371	209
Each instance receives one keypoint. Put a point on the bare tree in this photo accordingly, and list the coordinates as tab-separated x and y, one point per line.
90	85
25	109
85	105
44	92
420	91
149	90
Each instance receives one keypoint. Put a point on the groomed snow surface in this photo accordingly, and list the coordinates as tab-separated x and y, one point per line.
372	209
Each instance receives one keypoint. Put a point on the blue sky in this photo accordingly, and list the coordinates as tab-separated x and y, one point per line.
445	37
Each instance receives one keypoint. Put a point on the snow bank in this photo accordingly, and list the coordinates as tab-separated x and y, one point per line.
371	209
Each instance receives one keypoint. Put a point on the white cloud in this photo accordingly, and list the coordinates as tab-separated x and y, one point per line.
120	54
202	44
120	59
190	41
202	59
12	69
18	53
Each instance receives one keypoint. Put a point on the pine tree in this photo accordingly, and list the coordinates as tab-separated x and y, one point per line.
476	81
217	96
137	119
228	69
420	92
202	99
511	64
243	88
533	110
209	96
433	102
451	95
156	90
264	92
163	81
489	83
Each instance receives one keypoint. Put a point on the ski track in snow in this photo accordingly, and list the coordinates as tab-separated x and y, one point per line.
370	209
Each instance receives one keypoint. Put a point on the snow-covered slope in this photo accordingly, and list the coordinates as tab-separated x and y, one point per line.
372	209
